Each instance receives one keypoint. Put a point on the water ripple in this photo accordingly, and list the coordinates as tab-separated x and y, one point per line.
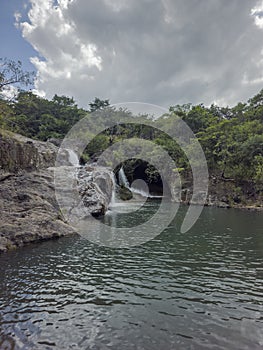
200	290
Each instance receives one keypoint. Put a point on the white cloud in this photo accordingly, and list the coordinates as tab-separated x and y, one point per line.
56	40
256	81
158	51
9	92
257	13
117	5
17	16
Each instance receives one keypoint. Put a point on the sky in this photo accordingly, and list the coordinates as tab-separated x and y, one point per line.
164	52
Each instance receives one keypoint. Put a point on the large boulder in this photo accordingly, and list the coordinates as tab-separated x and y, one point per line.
95	185
125	193
29	211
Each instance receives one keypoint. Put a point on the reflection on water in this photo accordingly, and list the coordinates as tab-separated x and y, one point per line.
199	290
118	229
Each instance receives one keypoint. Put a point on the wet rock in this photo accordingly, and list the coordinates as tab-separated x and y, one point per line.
124	193
221	204
95	185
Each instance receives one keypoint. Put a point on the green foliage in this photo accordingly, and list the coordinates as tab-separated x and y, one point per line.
97	145
5	113
152	173
98	104
39	118
232	138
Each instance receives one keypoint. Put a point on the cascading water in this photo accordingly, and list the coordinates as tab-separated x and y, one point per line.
123	178
93	187
73	157
124	182
143	193
113	194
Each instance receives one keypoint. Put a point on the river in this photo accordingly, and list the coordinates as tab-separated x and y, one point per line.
199	290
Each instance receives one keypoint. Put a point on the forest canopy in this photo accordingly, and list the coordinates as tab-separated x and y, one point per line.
231	137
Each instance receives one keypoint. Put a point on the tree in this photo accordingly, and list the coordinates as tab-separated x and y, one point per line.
181	110
257	100
199	118
11	73
64	101
98	104
6	113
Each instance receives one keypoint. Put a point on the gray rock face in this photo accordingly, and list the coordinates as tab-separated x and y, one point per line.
29	211
201	198
21	153
95	185
56	142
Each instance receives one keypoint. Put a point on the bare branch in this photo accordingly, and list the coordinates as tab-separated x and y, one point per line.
11	73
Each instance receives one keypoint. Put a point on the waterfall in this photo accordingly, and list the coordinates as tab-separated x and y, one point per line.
140	192
113	194
73	157
123	178
124	182
143	193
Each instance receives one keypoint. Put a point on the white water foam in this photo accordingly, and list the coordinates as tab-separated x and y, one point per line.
124	182
73	157
123	178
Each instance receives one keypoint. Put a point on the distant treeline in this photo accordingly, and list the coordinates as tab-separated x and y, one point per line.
232	138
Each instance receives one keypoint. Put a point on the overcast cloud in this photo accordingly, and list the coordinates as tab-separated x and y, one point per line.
157	51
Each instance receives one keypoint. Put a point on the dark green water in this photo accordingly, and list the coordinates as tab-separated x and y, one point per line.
199	290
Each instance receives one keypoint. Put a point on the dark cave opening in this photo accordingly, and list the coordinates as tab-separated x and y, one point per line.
137	169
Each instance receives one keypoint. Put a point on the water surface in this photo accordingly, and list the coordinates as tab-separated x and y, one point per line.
199	290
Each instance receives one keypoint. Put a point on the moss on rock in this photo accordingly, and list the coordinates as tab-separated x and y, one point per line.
125	194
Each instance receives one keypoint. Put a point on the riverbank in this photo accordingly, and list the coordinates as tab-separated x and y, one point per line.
227	194
29	209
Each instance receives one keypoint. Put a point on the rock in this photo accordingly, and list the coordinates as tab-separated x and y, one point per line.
185	196
124	193
95	185
29	211
21	153
221	204
93	199
55	141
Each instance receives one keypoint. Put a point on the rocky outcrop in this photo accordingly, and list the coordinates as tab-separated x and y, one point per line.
95	185
21	153
224	194
29	211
